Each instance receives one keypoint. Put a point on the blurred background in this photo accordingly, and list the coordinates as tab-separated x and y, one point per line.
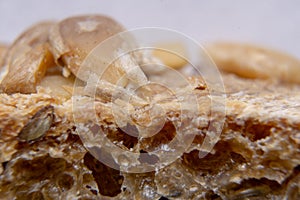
272	23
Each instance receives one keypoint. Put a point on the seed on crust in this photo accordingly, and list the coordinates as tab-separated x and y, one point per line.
27	60
255	62
38	125
30	38
3	49
171	54
26	71
3	70
73	38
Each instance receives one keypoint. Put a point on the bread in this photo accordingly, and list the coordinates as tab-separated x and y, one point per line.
44	154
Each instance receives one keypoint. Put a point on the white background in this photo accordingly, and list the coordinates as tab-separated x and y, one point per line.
273	23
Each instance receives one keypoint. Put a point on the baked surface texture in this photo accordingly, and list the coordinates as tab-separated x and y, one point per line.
256	156
42	156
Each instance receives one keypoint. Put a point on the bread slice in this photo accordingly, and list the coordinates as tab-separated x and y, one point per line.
257	154
44	154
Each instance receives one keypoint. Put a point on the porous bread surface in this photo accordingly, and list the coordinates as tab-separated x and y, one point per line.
257	155
44	153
